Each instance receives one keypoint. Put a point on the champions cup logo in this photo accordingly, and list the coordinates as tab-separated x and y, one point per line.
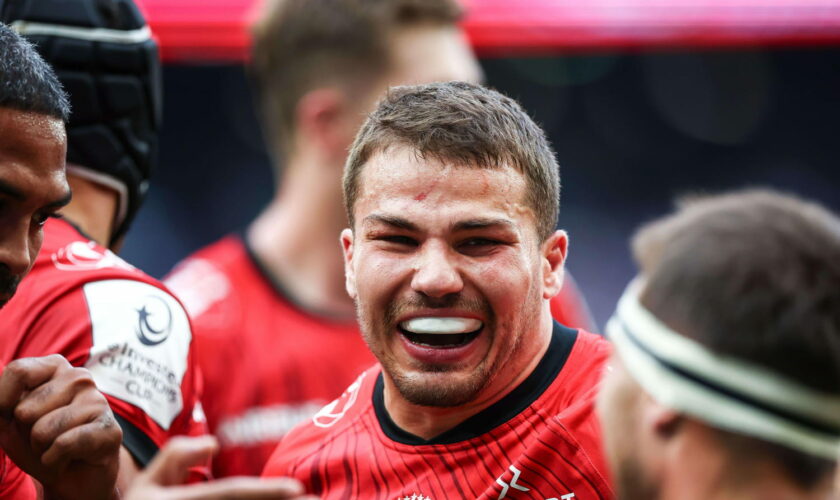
81	256
154	321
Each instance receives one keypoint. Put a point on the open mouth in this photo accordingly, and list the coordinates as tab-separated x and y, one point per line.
441	332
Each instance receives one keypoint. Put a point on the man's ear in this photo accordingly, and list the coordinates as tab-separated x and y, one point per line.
554	250
663	422
321	120
349	274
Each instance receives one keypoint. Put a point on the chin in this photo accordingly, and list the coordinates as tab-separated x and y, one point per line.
441	389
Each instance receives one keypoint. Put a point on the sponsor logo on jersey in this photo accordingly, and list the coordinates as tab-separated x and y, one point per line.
129	360
415	496
514	484
154	321
87	256
265	425
332	413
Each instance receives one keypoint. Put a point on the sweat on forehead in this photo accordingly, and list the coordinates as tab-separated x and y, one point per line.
462	124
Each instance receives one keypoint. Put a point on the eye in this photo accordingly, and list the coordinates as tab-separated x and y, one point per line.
41	218
478	246
398	240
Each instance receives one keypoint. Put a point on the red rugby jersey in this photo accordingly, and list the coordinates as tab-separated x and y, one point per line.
82	301
267	364
541	441
295	361
14	483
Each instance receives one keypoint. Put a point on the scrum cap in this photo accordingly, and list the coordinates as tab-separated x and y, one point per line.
107	61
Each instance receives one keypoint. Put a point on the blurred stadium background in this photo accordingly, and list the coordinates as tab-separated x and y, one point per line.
644	100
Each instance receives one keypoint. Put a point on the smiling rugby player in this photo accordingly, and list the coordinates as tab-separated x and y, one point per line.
452	258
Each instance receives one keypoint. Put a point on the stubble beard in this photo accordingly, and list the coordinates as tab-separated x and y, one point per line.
438	390
633	482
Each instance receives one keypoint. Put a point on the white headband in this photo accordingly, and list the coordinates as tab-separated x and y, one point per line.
723	391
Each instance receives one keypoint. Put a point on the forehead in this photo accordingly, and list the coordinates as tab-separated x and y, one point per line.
398	181
428	53
32	153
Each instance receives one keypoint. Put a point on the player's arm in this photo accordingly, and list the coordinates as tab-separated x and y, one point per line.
58	428
165	475
135	339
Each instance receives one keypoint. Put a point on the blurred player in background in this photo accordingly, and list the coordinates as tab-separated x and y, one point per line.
725	381
54	424
452	193
271	302
80	299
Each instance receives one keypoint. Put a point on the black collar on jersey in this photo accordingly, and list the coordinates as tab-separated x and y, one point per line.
277	286
562	340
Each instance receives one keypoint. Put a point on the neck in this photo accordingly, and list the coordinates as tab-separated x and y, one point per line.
92	209
297	238
428	422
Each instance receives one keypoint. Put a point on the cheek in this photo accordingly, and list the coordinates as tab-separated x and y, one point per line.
376	275
508	279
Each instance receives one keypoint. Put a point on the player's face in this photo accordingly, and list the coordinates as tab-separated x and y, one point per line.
619	407
448	275
32	187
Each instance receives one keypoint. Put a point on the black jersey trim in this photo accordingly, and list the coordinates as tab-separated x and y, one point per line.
141	446
562	341
277	286
830	430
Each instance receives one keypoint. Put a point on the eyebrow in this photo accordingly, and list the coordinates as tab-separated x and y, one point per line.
390	220
482	223
11	191
464	225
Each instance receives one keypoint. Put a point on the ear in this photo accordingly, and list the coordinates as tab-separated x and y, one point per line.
321	120
349	274
663	422
554	256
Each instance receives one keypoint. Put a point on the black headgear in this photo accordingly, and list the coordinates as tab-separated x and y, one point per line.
104	55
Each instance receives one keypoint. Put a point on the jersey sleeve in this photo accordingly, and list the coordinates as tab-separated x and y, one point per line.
136	340
14	483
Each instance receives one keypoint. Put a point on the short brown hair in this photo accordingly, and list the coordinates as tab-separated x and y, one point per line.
300	45
753	275
469	125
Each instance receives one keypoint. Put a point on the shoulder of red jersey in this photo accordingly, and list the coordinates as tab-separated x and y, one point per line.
581	374
124	326
207	278
328	423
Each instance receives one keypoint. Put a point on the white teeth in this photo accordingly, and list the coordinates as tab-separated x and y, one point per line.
441	325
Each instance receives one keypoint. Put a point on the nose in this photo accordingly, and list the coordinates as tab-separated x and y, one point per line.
436	274
15	249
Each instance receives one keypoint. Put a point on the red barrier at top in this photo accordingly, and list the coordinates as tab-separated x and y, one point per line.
217	30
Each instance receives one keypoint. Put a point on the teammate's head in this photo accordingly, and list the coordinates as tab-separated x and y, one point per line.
320	65
461	124
105	57
728	347
451	188
33	109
